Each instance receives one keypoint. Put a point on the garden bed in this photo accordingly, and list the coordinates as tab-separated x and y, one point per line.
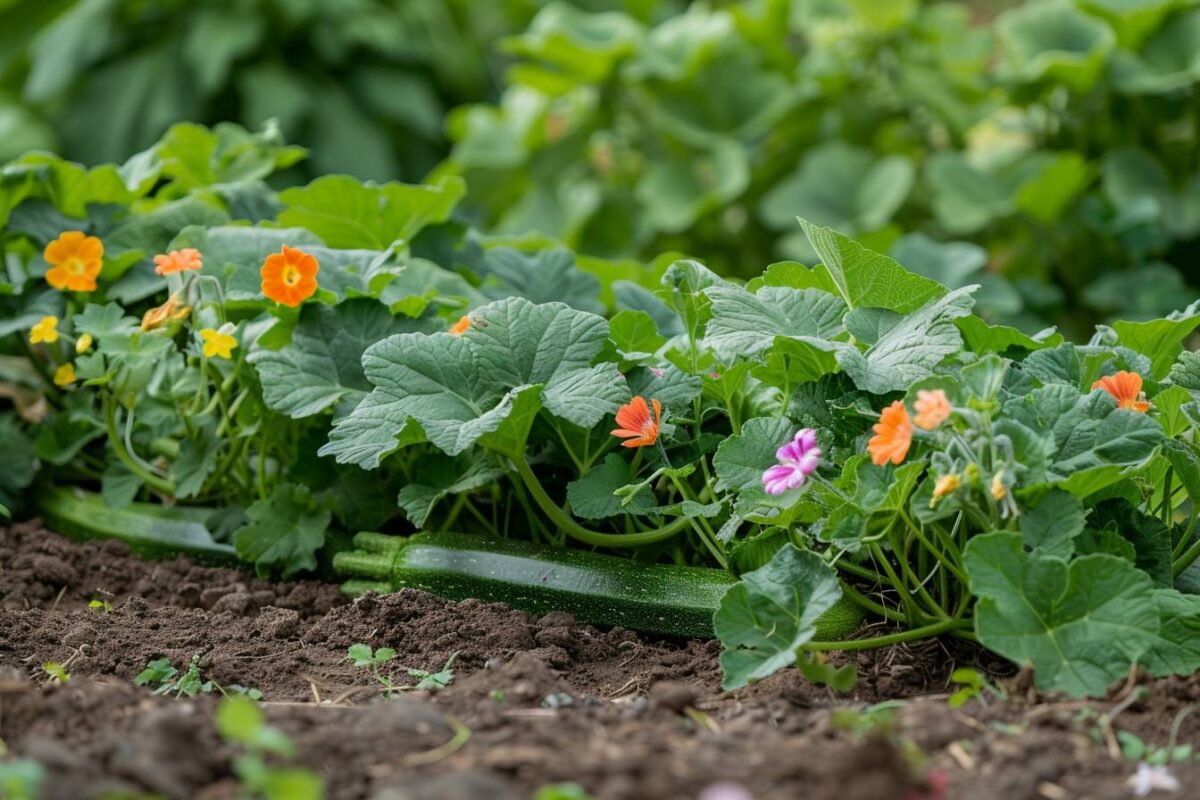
545	700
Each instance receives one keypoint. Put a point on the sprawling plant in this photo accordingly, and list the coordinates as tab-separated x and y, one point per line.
343	355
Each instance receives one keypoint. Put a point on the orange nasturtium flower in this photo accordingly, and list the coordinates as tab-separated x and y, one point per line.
75	261
460	327
46	330
184	260
635	425
932	409
289	276
64	376
168	311
1126	387
893	436
217	344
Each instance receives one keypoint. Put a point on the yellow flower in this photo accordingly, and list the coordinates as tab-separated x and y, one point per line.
217	344
46	330
83	344
999	490
64	376
946	484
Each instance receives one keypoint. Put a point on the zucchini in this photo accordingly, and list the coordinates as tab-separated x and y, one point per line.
151	531
595	588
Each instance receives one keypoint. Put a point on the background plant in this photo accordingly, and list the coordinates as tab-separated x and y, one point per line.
1059	139
365	83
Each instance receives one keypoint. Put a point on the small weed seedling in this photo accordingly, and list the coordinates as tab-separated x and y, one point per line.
562	791
100	605
363	657
879	718
240	721
1135	749
434	681
973	685
56	672
165	679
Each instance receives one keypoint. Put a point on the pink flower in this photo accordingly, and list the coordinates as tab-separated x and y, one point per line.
797	460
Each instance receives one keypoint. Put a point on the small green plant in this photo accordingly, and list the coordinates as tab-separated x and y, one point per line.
973	685
878	718
562	791
100	605
1134	748
240	721
56	672
21	779
434	681
165	679
363	657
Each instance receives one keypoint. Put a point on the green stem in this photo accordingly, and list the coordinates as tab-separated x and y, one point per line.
868	604
910	606
925	632
1186	560
570	527
1182	545
118	445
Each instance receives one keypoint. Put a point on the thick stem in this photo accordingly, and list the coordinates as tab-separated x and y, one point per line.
131	463
925	632
570	527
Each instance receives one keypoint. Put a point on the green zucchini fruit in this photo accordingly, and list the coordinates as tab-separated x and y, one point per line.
595	588
151	531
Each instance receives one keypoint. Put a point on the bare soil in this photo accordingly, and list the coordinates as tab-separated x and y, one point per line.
534	701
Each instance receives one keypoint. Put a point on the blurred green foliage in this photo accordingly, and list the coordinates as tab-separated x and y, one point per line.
1049	153
1046	149
364	83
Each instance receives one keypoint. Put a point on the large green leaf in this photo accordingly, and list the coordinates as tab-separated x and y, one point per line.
912	348
458	388
1161	339
1080	625
1168	62
585	45
745	324
350	214
1085	434
868	279
1053	523
1176	648
322	364
841	186
1055	42
1133	177
766	617
544	277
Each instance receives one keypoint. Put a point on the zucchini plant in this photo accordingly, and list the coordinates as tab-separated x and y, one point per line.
647	445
